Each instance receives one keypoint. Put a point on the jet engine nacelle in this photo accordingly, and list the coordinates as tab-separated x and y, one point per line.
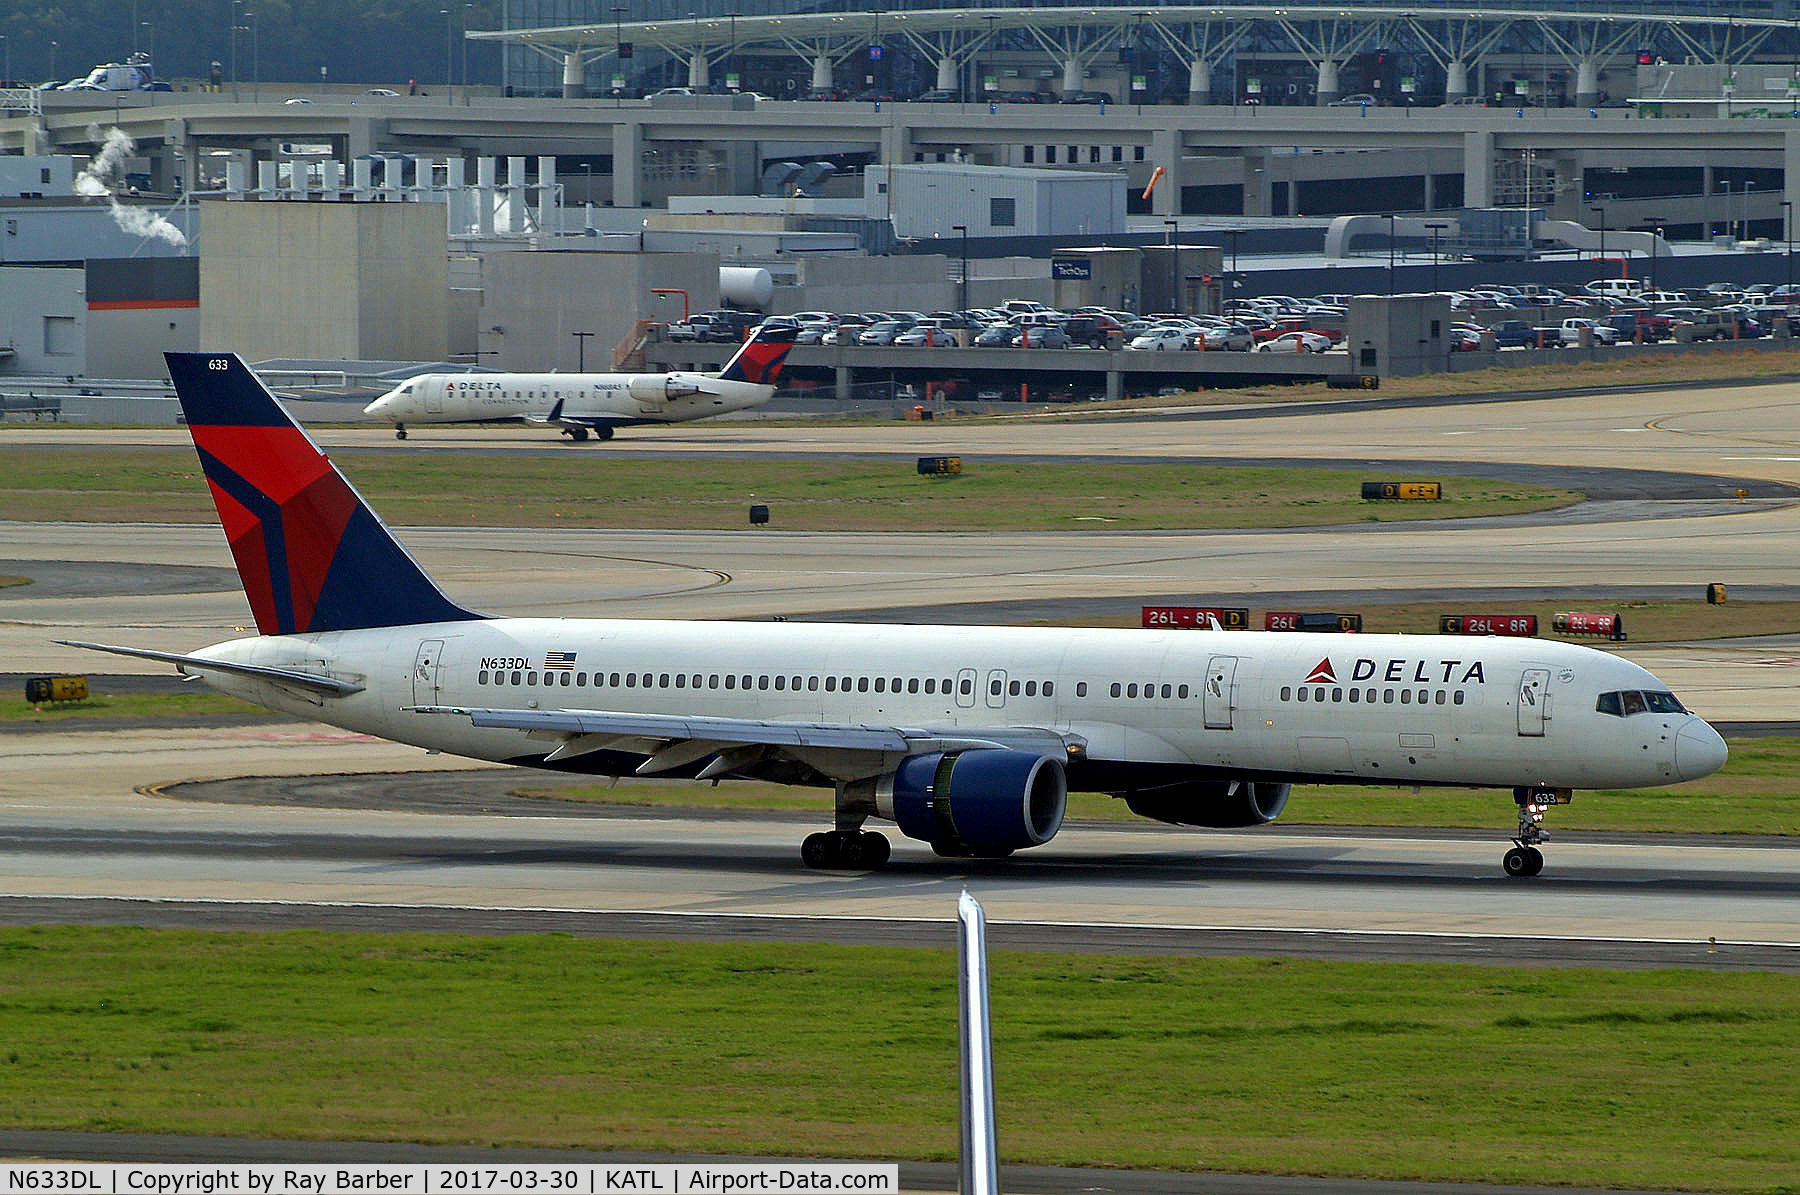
988	801
660	387
1223	804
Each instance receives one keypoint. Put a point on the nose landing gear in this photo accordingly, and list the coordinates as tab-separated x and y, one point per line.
399	431
1525	859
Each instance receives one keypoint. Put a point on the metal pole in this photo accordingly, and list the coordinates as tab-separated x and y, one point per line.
1390	221
1601	212
978	1171
618	40
465	51
1175	303
1787	235
234	31
581	350
963	278
1436	228
449	58
255	57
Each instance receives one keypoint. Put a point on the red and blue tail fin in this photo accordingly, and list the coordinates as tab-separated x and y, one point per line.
310	552
761	357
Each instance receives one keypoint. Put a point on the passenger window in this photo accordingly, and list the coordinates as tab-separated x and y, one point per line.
1081	688
1287	693
1634	702
731	680
581	679
1458	699
1182	692
1031	688
931	684
746	682
662	682
1131	690
1424	697
1337	695
712	680
1387	697
481	678
912	684
1319	693
881	684
515	678
1440	697
762	682
1406	697
831	684
1609	704
1168	691
862	684
566	680
1355	696
1013	689
1304	694
1049	688
531	678
796	684
994	688
781	684
615	680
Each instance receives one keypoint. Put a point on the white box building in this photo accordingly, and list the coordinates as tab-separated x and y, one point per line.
931	199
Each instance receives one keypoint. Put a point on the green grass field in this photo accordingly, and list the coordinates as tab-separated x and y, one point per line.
196	703
164	485
1643	1079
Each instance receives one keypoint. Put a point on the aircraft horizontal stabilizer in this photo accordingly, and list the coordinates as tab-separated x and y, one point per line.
328	685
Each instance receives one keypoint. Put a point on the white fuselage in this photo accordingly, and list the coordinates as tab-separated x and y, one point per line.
1378	709
593	399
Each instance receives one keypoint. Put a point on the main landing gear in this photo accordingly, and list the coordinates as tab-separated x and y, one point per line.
399	431
845	850
579	434
1525	859
849	847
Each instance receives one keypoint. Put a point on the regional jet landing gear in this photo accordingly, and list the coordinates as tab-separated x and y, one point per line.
849	847
579	434
399	431
1525	859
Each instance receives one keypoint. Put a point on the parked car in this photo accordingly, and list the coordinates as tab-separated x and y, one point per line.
938	95
1361	99
1043	336
998	336
1296	342
1518	333
1092	330
883	332
706	328
1161	339
1222	337
1573	327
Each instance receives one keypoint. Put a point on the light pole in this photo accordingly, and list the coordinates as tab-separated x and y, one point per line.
1390	288
466	10
235	5
581	350
1137	53
53	58
1787	235
962	303
255	58
1174	265
1436	228
732	70
449	49
8	42
618	12
1601	212
1656	230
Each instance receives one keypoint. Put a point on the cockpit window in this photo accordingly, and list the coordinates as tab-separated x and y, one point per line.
1631	701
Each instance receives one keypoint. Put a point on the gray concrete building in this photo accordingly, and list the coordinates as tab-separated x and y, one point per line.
534	303
362	281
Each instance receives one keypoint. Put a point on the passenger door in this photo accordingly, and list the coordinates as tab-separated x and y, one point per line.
996	689
1215	698
1534	701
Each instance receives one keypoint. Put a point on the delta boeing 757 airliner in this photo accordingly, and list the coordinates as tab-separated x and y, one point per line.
968	738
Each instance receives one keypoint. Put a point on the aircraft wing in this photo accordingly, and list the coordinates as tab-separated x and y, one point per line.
193	665
672	739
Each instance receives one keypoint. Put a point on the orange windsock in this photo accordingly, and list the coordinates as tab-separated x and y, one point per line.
1155	177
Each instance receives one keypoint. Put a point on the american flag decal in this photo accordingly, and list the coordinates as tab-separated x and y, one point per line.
559	661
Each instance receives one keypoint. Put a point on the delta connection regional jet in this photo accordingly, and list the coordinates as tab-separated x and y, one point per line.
580	403
966	738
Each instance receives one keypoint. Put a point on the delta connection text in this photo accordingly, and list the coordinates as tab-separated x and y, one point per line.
685	1178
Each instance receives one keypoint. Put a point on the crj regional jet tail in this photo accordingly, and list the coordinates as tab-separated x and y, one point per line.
310	552
760	359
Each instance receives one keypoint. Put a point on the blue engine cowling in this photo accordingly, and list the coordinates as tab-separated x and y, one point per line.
1223	804
987	801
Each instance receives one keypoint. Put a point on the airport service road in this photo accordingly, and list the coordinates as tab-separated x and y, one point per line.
72	826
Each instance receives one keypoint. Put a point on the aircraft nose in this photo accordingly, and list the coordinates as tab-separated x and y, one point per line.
1699	751
381	406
